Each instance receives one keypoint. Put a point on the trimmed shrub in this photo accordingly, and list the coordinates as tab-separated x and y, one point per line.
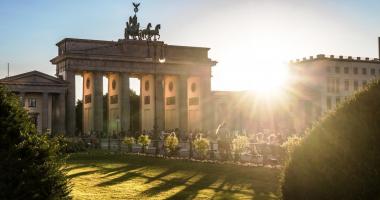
201	146
144	141
239	145
129	141
339	158
171	144
71	145
290	144
30	164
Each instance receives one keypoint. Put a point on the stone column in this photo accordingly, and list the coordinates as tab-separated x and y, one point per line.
98	102
22	99
125	118
206	101
183	103
159	102
61	113
70	103
45	111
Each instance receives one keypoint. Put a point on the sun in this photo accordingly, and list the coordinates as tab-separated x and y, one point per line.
269	79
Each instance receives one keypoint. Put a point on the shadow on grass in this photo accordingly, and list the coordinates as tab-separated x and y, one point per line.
125	177
161	175
167	185
82	173
191	190
224	181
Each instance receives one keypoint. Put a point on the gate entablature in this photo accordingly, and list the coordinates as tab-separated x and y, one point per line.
125	55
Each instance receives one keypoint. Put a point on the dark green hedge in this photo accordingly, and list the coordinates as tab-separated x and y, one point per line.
30	164
339	158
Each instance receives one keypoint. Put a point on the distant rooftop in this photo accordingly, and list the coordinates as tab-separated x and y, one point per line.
335	58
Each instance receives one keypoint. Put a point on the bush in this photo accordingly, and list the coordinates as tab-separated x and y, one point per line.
339	157
30	164
239	144
201	146
129	141
70	145
290	144
144	141
171	144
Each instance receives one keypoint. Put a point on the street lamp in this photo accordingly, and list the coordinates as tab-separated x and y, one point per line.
117	124
161	60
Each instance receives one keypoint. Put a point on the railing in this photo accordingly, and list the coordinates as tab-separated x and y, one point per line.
257	153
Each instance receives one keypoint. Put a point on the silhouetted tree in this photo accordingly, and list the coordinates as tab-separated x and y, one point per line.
30	163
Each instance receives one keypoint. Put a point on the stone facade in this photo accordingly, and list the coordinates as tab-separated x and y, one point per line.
322	82
175	83
43	97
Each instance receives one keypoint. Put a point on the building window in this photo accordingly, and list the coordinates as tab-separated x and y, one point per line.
22	101
87	99
346	85
114	99
364	83
346	70
170	101
337	85
337	70
337	100
34	118
355	70
364	71
147	100
328	102
194	101
356	85
32	103
329	69
373	71
329	85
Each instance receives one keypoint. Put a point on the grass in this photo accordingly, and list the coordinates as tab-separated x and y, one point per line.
101	175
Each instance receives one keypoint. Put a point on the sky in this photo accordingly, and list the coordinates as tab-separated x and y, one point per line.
252	40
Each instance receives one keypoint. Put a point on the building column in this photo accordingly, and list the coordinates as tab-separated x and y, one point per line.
159	102
206	101
125	118
45	111
70	103
98	101
61	113
183	103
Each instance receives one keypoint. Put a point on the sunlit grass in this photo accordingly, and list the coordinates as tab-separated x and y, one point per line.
103	176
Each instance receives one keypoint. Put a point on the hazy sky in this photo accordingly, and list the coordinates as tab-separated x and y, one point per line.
251	40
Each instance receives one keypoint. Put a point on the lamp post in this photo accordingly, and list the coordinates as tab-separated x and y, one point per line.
154	65
117	125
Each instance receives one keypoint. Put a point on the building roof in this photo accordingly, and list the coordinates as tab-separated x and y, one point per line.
336	58
33	78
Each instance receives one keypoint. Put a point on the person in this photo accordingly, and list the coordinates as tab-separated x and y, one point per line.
224	141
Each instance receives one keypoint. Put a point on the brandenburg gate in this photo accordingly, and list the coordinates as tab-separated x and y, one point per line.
175	81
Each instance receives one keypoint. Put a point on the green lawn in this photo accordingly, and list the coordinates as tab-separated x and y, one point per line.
100	175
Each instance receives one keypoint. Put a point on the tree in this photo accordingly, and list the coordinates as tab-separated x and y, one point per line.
339	157
30	164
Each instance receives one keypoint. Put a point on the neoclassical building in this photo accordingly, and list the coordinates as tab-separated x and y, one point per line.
43	96
321	82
